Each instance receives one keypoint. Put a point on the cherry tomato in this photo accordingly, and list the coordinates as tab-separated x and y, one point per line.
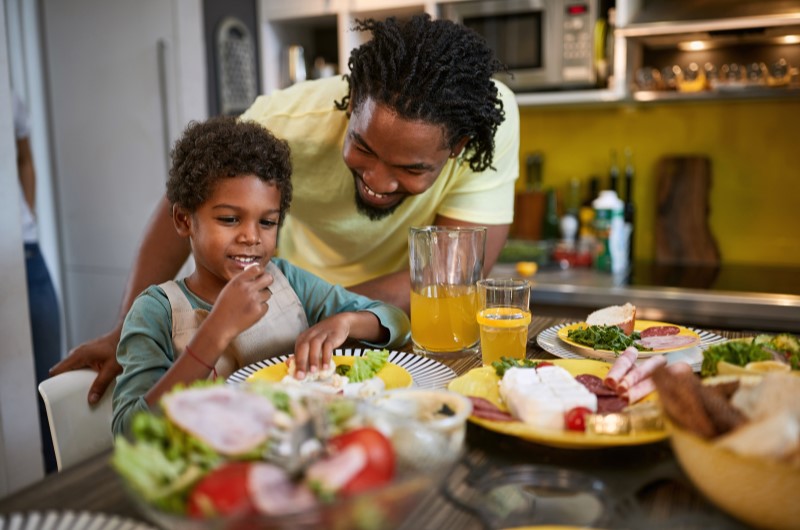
380	458
575	418
541	364
223	491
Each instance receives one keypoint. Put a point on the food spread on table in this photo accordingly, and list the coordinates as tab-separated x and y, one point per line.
751	415
363	376
611	330
270	450
765	352
566	402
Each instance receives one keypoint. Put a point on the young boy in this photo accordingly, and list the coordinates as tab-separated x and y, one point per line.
230	189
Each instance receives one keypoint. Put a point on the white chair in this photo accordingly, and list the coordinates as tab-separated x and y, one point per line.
78	429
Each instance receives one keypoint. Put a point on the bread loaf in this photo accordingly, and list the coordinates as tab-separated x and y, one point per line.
623	316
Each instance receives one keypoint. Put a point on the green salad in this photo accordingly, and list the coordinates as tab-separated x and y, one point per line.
784	347
162	462
605	338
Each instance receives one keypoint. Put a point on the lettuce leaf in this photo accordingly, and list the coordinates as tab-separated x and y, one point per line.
368	366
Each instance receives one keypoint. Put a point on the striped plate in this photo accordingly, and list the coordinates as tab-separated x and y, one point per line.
426	372
548	340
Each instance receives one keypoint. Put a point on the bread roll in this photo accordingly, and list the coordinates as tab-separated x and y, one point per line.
623	316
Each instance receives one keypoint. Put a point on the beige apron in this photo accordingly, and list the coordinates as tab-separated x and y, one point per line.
273	335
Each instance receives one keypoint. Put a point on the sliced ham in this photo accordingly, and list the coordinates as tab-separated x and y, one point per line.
337	470
641	372
668	342
625	361
274	493
639	390
230	420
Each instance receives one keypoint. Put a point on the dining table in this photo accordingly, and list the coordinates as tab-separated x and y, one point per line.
636	487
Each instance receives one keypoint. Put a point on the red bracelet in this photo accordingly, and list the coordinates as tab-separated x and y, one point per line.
201	361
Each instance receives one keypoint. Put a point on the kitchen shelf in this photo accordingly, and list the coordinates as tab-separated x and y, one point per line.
707	26
758	93
659	27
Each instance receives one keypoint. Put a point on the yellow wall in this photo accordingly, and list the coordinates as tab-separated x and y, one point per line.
754	147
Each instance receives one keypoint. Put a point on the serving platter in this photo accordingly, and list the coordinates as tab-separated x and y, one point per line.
423	372
482	382
550	341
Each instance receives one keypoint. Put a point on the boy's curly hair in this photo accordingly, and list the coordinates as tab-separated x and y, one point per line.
223	147
432	70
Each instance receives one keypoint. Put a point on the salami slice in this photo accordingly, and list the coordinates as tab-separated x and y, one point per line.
606	404
668	342
660	331
485	409
595	385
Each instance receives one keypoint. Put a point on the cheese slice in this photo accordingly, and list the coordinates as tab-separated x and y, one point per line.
541	396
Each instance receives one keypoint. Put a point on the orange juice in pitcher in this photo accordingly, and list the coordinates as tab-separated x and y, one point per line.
445	265
443	318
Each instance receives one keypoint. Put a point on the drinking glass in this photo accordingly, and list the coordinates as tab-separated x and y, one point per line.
503	316
446	263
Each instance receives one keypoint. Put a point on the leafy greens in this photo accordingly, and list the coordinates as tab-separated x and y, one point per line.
605	338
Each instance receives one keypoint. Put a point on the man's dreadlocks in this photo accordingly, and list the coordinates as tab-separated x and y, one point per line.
431	70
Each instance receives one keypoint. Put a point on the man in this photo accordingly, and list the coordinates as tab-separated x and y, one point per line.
420	134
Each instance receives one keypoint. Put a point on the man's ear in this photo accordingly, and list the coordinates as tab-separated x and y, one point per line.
459	147
182	220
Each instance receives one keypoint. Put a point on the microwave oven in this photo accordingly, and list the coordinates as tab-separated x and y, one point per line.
546	44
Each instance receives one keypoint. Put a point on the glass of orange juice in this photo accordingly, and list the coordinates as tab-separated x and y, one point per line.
445	264
503	316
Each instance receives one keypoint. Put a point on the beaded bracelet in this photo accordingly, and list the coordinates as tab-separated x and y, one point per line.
198	359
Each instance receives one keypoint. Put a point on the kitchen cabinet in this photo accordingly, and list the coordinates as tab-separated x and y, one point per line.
123	83
322	28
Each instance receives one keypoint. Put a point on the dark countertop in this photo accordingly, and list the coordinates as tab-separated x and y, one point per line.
730	296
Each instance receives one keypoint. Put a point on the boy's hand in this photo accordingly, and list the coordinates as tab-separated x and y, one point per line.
242	302
314	347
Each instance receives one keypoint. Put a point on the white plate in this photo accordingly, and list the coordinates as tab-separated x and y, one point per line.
548	340
426	373
68	520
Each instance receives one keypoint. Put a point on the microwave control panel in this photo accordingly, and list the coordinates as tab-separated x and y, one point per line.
578	46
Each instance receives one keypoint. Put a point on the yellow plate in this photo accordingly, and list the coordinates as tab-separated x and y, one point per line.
640	325
393	376
482	382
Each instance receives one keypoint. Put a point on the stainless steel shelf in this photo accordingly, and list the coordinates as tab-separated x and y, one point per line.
589	289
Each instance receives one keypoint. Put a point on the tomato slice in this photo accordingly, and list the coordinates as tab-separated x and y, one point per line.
380	458
223	491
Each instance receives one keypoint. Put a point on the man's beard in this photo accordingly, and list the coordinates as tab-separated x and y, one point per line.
374	214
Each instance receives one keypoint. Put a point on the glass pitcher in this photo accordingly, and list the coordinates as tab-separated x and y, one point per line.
446	263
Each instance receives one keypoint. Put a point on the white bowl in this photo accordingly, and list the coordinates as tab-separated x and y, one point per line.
427	427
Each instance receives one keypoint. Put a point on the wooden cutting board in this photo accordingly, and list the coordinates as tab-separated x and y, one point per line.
683	234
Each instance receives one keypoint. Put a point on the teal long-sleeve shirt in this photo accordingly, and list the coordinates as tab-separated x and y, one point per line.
146	352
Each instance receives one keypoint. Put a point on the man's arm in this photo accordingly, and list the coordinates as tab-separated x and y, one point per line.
160	256
395	288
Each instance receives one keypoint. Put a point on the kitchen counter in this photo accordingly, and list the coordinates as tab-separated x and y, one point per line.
743	296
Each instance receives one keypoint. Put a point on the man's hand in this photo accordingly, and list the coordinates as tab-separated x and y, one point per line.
100	355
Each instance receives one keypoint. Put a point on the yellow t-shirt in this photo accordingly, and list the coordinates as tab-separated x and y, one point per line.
324	232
